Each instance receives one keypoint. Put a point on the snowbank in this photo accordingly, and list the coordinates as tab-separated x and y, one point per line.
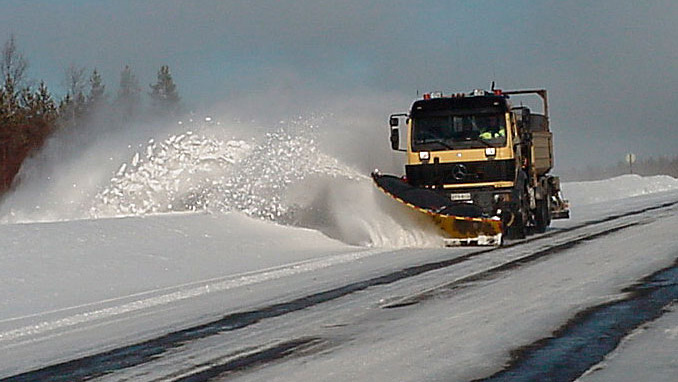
621	187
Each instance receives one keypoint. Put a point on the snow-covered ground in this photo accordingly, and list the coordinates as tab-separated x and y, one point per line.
195	215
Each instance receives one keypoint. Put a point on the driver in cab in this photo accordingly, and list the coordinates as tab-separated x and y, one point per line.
492	129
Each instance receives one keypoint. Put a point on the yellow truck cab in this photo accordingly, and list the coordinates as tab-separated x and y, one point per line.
477	148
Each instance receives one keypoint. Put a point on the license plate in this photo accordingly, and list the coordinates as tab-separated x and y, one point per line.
462	196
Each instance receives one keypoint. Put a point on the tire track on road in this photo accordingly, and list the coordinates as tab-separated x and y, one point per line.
100	364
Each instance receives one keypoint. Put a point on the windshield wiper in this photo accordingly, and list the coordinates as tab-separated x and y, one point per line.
440	141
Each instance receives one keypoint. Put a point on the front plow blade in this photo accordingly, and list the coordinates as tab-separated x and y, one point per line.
463	223
467	231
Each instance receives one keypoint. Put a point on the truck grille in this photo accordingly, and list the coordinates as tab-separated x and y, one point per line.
460	173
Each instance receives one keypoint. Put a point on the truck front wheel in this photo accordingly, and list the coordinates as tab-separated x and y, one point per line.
515	219
515	225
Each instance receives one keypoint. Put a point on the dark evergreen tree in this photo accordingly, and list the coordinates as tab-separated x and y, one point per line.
41	114
4	102
11	97
129	94
164	96
96	90
44	103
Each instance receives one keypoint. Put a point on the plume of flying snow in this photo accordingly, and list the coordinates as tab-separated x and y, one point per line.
308	171
284	178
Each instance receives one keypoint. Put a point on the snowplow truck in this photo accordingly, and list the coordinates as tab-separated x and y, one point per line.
478	165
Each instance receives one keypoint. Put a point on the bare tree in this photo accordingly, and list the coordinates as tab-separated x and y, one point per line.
26	117
73	105
14	64
75	80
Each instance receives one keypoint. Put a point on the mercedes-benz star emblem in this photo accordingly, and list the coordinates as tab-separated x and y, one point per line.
459	172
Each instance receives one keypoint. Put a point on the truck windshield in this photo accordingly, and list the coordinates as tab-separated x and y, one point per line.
458	131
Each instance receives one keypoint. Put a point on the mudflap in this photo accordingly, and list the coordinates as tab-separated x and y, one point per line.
463	223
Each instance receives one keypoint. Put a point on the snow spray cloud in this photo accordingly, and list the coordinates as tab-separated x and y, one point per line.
284	178
64	175
309	171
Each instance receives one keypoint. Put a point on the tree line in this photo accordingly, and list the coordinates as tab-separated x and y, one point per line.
29	113
643	166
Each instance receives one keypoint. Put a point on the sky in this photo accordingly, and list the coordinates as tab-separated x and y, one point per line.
609	66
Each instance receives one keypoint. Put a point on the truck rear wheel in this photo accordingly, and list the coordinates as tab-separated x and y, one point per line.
542	215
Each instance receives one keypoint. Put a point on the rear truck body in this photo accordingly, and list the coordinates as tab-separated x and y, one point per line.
479	152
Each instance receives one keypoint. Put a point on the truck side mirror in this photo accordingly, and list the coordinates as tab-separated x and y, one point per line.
395	135
393	122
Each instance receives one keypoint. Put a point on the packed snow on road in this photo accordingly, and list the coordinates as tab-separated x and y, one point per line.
194	224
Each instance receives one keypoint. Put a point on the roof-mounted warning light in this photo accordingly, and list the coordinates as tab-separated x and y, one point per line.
427	95
497	92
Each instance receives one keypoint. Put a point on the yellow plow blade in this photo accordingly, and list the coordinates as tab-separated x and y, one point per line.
463	224
469	231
